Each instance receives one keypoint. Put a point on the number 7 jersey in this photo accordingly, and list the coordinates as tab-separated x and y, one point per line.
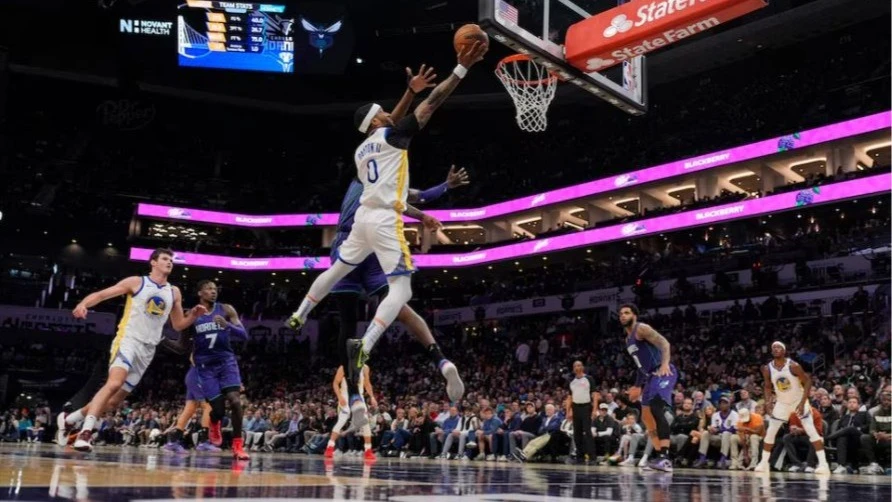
211	341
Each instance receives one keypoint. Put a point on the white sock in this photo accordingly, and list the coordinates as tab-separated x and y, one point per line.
89	422
321	287
822	457
306	306
400	293
74	417
367	446
331	443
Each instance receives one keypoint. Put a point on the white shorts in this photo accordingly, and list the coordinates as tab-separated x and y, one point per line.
133	356
381	232
783	411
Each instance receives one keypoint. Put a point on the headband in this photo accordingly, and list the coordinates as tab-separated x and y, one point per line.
364	126
779	343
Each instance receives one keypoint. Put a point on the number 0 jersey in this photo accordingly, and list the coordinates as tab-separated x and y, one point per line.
382	165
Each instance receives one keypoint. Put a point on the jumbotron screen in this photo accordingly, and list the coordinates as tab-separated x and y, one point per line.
235	36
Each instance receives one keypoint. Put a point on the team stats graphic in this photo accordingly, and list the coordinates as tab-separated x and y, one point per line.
235	36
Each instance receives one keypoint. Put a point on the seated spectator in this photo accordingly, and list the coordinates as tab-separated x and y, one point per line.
683	427
273	437
828	411
852	426
441	434
255	429
797	441
468	425
529	427
876	443
745	402
399	428
487	439
420	430
605	430
548	432
628	442
750	431
718	434
510	424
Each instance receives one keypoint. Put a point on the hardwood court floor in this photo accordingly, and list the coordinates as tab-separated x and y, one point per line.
46	472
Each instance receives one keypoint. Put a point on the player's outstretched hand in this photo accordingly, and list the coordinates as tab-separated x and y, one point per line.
221	321
431	223
458	178
80	311
423	80
473	54
198	310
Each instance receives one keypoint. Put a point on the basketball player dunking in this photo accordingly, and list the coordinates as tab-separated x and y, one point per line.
151	300
788	385
656	376
339	384
382	163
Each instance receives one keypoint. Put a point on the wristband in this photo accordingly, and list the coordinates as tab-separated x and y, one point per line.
460	71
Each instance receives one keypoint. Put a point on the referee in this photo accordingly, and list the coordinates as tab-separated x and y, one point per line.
585	399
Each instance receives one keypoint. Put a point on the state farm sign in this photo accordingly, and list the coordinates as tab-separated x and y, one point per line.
641	26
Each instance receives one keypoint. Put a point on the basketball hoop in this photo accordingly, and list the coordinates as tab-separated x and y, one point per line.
531	86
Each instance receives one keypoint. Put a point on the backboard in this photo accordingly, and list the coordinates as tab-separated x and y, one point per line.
537	28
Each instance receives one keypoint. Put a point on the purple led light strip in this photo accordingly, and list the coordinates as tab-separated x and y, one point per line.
603	185
744	209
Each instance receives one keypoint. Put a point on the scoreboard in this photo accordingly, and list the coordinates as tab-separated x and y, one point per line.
235	35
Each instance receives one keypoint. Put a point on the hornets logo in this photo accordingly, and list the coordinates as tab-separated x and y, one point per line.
783	384
155	306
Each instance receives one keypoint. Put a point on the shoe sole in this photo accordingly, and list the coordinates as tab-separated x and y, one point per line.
455	388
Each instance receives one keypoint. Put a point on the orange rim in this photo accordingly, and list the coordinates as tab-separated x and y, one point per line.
515	58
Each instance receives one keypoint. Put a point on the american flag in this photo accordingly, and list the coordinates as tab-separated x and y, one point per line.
507	11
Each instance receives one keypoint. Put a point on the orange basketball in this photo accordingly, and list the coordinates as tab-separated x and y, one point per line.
467	35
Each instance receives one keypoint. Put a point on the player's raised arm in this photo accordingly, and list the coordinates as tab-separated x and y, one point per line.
455	179
468	57
178	319
126	286
416	83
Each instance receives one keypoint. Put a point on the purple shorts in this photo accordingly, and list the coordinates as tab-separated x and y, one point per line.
661	387
367	277
193	387
218	377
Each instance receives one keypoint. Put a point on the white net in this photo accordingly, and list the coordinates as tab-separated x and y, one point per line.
531	87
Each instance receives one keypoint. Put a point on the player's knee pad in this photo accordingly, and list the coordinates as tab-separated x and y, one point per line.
218	408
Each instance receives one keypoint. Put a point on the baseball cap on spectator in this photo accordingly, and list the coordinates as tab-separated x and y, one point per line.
604	406
725	399
614	391
744	414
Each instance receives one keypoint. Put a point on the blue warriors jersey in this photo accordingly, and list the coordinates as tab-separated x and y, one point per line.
212	343
646	355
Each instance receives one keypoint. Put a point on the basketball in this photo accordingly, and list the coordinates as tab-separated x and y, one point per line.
467	35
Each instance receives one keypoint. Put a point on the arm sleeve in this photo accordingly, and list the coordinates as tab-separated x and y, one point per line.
401	134
239	332
432	194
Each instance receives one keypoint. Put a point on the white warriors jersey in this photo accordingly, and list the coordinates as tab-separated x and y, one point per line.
787	386
383	170
344	393
145	312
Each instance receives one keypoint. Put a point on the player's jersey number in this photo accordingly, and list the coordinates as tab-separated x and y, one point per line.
213	338
371	168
